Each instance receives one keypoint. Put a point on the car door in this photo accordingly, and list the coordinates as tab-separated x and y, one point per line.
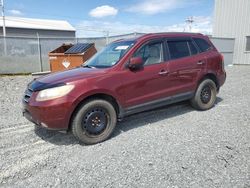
185	66
150	82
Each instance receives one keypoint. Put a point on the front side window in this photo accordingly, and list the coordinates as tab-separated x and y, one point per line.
178	49
110	55
202	44
151	53
248	44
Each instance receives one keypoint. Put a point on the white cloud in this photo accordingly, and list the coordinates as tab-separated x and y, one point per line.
96	28
15	12
155	6
103	11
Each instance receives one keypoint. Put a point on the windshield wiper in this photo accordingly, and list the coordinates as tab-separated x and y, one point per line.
87	66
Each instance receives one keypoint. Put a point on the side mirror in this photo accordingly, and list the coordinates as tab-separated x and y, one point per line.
135	63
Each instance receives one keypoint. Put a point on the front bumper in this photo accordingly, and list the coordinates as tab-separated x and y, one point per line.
28	116
54	114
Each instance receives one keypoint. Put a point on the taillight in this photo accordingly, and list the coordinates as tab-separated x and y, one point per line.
222	62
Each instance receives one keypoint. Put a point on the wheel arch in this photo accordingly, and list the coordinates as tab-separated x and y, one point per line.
212	77
103	96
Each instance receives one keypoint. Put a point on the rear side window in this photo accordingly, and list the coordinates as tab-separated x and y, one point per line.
193	49
202	44
178	49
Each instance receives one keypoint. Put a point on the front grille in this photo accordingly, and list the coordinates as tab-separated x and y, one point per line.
27	94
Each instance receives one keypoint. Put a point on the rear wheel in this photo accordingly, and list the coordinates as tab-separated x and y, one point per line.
94	122
205	95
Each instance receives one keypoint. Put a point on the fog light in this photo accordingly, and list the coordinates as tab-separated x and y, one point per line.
44	125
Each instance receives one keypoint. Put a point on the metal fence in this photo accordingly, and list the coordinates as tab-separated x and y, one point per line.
26	55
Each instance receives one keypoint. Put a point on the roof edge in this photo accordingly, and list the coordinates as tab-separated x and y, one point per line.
37	23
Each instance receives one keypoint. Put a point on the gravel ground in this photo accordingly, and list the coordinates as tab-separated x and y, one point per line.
174	146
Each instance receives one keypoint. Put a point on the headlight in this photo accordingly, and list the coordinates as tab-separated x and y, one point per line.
53	93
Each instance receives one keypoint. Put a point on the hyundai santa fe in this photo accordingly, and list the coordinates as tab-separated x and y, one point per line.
126	77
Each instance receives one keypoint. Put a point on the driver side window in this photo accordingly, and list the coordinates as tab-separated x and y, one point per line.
150	53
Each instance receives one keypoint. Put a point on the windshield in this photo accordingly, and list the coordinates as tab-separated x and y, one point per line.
110	55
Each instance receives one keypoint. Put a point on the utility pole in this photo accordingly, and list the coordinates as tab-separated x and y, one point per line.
39	52
190	21
107	37
4	28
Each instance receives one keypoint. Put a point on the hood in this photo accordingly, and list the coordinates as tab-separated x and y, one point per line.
61	78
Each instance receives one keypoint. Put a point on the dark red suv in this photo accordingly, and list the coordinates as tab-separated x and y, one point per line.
126	77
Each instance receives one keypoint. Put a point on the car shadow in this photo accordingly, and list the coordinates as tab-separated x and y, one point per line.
128	123
152	116
56	137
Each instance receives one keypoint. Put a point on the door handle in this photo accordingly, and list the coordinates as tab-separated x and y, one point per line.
200	62
163	72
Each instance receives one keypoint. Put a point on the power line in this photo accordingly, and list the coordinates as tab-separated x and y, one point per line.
84	27
52	15
28	22
79	28
111	30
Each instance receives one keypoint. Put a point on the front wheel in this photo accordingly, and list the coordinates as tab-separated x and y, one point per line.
94	122
205	95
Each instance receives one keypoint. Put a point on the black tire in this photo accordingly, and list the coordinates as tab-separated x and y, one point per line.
205	95
94	121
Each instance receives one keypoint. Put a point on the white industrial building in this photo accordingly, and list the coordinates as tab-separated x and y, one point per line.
232	20
30	27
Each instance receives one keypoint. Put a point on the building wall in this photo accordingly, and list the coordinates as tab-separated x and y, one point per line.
33	33
232	20
226	47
